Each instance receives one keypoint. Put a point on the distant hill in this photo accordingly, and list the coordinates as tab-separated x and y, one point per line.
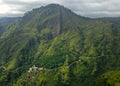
112	19
7	19
6	22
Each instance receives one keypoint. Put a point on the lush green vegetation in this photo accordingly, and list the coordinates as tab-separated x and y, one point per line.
73	50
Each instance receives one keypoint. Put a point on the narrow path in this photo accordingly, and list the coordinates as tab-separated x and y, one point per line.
76	62
68	66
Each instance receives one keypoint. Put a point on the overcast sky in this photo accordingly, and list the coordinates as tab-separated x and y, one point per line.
89	8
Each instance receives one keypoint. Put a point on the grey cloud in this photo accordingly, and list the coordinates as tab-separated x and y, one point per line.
90	8
95	8
11	15
13	2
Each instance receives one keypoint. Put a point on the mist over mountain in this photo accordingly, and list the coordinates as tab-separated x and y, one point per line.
53	46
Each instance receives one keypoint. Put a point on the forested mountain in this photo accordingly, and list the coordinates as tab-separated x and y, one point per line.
67	49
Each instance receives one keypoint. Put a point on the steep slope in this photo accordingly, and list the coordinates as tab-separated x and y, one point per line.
73	50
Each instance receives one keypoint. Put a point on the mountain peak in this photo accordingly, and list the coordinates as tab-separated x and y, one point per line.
53	5
53	16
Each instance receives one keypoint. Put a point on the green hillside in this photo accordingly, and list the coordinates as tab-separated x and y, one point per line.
67	49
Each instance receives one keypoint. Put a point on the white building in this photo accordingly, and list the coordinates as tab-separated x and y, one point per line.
34	69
